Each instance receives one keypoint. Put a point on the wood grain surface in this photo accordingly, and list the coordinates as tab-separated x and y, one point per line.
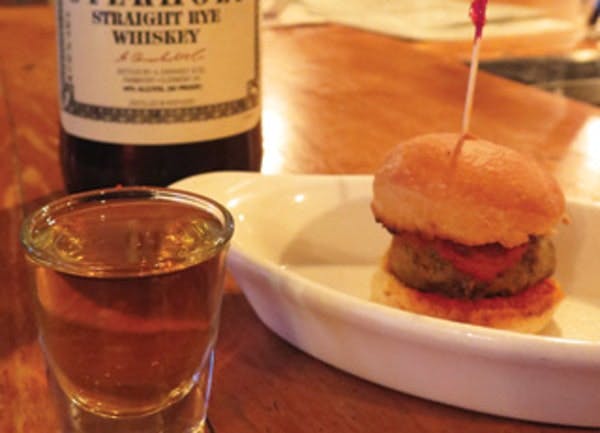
335	101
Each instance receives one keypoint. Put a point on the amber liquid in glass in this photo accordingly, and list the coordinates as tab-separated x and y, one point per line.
133	342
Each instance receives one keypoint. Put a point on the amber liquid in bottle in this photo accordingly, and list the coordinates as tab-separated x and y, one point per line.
88	164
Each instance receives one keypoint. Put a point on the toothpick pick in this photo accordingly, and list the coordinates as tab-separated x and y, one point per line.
471	86
477	14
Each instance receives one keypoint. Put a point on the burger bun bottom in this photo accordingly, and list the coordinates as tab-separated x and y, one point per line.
529	311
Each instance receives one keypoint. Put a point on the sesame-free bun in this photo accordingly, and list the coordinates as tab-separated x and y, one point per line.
483	194
529	311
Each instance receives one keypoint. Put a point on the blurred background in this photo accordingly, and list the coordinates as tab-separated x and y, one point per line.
551	44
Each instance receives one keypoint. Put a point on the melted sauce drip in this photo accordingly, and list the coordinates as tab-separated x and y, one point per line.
483	263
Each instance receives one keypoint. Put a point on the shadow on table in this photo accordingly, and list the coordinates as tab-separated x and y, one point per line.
575	76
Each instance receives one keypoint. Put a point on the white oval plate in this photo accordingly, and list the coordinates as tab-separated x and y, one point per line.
304	251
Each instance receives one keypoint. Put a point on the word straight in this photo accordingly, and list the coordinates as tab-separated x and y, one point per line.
113	18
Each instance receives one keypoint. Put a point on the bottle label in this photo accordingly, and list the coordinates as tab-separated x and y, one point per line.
158	71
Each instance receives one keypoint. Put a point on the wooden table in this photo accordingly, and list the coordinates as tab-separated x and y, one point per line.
335	100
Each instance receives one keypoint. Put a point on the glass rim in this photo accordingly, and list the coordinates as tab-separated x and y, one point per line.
74	201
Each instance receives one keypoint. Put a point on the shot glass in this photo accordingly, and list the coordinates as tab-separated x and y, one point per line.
128	289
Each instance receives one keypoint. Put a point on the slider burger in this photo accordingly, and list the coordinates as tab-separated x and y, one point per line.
470	233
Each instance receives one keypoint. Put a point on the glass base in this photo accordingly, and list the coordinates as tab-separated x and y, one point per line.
187	415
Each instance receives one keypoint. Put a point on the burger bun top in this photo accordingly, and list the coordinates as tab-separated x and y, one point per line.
485	193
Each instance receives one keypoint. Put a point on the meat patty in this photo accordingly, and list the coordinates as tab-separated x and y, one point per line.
418	263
